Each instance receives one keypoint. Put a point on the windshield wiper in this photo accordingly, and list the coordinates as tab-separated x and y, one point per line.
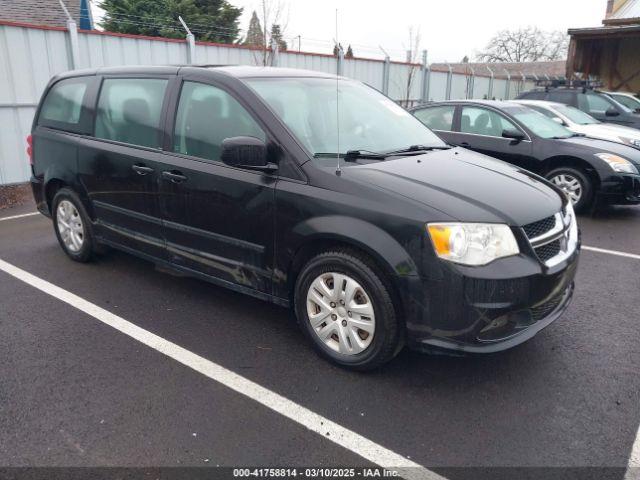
352	155
418	149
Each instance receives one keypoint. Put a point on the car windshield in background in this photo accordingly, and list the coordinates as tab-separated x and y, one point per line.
367	121
539	124
576	115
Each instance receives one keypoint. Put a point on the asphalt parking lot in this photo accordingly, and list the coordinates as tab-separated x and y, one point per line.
75	391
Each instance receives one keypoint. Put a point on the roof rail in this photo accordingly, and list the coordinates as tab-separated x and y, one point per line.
576	83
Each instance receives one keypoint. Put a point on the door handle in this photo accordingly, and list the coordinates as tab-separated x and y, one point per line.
464	144
142	170
175	177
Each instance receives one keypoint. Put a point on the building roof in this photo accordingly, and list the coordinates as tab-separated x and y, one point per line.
515	69
610	30
623	12
45	12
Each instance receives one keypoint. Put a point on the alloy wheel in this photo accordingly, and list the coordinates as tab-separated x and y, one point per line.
570	185
341	313
70	226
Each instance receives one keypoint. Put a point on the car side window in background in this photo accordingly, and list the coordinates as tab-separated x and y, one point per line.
63	105
437	118
206	116
129	110
593	103
535	95
562	96
481	121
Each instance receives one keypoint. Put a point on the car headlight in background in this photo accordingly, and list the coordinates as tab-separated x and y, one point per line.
472	244
617	163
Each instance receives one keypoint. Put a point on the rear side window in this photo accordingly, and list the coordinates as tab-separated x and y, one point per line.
129	110
63	107
437	118
206	116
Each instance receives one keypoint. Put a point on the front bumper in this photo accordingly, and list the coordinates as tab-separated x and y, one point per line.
621	189
486	309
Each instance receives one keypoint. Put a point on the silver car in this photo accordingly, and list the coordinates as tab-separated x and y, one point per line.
580	122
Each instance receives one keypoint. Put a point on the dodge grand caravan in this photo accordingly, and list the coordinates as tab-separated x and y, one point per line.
308	191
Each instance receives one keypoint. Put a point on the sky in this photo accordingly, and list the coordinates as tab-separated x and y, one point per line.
450	29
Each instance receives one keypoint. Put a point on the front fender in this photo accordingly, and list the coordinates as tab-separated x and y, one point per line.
360	234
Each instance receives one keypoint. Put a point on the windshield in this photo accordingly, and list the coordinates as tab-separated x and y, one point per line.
540	125
629	102
575	115
368	121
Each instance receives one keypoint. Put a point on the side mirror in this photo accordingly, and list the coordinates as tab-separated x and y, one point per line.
513	134
612	112
246	152
558	120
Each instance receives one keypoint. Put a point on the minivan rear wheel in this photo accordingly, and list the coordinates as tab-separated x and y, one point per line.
73	226
575	183
346	310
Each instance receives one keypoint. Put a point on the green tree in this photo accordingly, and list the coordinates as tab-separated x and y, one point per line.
255	35
208	20
349	53
276	36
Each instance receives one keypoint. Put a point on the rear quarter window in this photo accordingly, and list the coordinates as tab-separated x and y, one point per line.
65	106
437	118
566	97
533	95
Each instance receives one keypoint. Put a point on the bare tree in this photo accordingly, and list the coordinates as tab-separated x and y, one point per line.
413	52
272	12
525	45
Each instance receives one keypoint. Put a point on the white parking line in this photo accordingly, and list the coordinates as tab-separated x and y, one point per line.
611	252
316	423
633	471
2	219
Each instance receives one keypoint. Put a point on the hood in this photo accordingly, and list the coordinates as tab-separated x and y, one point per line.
608	130
591	146
468	186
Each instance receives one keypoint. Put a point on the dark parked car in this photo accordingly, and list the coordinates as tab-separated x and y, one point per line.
381	237
584	168
597	104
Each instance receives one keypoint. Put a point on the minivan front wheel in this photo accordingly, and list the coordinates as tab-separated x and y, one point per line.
575	183
72	226
346	311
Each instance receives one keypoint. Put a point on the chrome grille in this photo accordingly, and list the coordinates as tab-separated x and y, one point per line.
540	227
551	237
548	251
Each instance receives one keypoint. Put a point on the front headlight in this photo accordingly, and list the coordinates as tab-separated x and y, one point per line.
617	163
472	243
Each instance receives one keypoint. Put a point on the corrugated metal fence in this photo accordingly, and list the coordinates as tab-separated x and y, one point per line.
31	55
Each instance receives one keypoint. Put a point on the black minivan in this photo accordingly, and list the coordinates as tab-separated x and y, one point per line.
309	191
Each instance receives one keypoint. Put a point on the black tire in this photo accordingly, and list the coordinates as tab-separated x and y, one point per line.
89	246
586	184
387	339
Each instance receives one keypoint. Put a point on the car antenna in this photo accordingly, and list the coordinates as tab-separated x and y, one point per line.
338	48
